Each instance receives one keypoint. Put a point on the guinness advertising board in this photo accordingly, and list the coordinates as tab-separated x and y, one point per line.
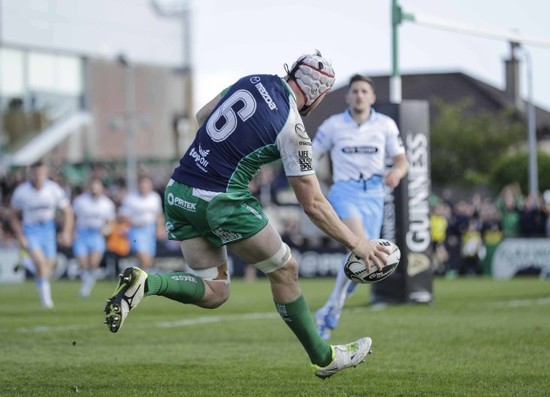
407	210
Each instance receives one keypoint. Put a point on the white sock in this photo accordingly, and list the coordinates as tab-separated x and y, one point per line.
339	293
88	281
45	292
27	262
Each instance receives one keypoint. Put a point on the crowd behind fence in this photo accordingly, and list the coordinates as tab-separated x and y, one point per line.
465	232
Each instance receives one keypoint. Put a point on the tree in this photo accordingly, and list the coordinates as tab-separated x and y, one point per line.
465	144
514	168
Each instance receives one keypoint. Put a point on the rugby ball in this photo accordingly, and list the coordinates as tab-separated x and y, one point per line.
356	269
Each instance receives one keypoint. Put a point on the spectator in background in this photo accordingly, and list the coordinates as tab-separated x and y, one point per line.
532	217
509	204
438	228
37	200
95	215
458	224
491	233
546	203
471	249
118	245
143	212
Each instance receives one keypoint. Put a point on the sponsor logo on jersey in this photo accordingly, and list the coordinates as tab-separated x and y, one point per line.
226	236
200	157
305	160
255	79
359	150
304	143
179	202
265	95
301	131
39	206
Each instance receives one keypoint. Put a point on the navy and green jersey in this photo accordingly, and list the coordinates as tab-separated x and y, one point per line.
255	122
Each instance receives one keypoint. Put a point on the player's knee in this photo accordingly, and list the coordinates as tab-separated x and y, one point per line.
291	268
217	281
287	274
217	294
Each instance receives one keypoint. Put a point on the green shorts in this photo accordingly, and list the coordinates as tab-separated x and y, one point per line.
221	219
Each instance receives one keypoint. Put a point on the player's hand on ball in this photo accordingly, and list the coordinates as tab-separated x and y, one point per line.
371	252
366	270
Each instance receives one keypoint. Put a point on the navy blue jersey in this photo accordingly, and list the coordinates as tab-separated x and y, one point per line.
256	122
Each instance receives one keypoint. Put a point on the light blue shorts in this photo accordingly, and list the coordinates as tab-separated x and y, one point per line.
42	237
143	239
87	241
363	199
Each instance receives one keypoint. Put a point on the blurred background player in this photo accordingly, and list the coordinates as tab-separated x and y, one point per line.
38	200
209	207
142	210
95	216
358	141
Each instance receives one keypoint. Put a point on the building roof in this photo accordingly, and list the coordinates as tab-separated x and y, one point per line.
449	87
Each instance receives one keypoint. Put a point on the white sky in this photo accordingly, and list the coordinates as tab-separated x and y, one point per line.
237	37
231	38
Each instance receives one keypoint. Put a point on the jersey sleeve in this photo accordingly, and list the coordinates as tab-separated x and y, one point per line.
124	209
158	203
77	205
295	147
111	210
61	198
17	198
322	141
394	144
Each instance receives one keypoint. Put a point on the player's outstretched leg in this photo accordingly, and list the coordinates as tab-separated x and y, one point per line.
128	293
345	356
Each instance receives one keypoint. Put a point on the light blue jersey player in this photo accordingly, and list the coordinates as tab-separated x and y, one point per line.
95	215
208	206
38	201
142	210
358	142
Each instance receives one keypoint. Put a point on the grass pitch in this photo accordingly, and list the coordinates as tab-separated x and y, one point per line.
479	338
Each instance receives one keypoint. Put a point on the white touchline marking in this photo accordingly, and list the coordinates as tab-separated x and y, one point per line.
216	319
523	302
162	324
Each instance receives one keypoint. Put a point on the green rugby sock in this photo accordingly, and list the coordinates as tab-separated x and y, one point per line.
179	286
297	316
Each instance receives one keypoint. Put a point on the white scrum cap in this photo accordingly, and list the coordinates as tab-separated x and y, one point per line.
313	74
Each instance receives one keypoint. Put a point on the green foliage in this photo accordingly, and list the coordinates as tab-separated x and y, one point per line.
465	144
514	168
480	338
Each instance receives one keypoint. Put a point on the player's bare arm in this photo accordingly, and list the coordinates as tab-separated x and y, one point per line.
321	213
15	223
398	171
65	237
203	113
